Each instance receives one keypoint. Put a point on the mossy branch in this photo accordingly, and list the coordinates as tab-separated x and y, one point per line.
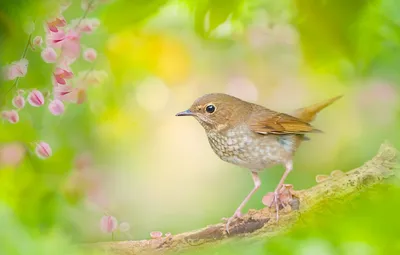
262	223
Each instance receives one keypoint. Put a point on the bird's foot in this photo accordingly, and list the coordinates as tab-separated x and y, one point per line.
280	198
237	214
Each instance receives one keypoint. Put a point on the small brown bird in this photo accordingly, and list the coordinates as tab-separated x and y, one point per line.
252	136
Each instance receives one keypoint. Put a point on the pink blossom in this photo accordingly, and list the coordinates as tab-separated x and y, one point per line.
49	55
94	77
37	41
156	234
71	46
18	102
108	224
268	198
124	227
56	22
87	25
90	55
60	92
73	95
55	39
11	116
16	69
61	75
36	98
43	150
11	154
56	107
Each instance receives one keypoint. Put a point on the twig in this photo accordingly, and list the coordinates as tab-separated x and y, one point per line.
261	223
15	84
85	13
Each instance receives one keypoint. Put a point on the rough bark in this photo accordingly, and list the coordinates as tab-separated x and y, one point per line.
262	223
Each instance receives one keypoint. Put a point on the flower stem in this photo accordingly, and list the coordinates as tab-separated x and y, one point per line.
15	84
85	13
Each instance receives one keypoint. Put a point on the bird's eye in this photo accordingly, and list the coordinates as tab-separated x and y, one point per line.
210	108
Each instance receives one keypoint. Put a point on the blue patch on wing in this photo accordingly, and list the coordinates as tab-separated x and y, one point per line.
287	141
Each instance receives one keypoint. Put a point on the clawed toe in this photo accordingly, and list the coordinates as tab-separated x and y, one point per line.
229	220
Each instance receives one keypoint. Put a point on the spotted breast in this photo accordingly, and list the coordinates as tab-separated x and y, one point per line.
245	148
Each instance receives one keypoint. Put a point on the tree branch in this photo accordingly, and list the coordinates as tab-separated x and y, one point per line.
262	223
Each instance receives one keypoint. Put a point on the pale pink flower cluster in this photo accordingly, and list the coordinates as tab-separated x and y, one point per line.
60	47
16	69
109	224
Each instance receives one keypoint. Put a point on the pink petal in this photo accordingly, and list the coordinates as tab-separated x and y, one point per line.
108	224
16	69
61	74
156	234
86	25
11	116
18	102
61	92
56	22
43	150
55	39
11	154
36	98
56	107
267	199
49	55
71	46
52	28
90	55
37	41
60	80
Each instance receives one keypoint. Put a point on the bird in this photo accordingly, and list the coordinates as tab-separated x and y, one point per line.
254	137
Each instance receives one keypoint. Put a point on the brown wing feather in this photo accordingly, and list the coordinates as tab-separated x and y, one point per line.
265	121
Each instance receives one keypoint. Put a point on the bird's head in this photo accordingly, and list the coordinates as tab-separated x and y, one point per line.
218	111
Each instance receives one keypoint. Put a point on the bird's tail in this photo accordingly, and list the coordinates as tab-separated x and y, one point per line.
309	113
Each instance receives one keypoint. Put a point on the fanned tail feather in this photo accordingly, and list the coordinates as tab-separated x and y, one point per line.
308	114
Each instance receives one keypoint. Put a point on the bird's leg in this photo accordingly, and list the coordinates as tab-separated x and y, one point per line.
238	212
288	169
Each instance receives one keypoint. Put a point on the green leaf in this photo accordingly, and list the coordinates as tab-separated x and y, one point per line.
127	13
210	14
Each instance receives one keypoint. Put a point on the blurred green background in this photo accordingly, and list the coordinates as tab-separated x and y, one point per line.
156	171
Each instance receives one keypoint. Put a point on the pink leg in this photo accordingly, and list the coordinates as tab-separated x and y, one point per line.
288	169
238	212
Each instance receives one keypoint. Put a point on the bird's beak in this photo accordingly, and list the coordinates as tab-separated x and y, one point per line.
185	113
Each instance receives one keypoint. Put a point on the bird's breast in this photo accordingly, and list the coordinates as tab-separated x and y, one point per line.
243	147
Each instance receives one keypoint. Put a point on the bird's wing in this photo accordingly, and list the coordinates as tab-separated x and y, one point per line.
265	121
